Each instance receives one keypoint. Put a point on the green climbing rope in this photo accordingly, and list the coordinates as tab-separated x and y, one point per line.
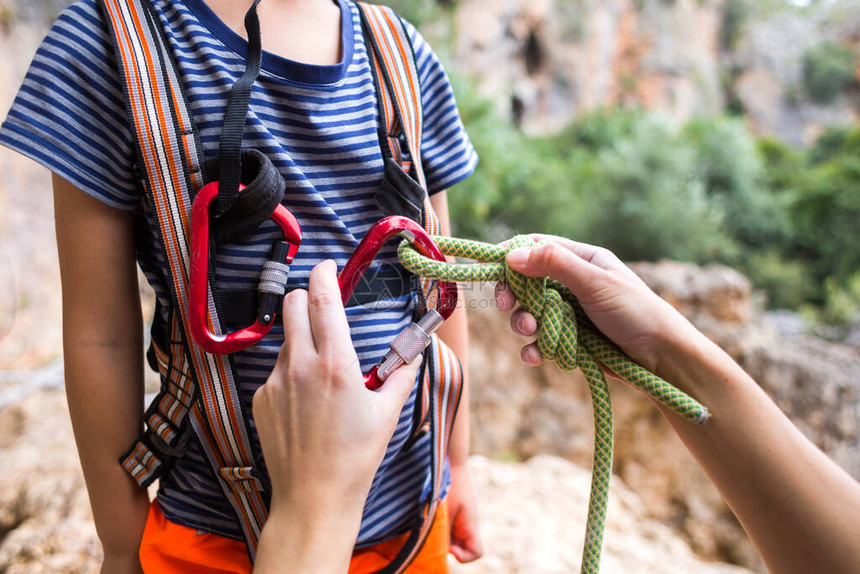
567	337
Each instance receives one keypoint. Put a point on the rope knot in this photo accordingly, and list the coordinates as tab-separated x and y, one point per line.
568	345
555	317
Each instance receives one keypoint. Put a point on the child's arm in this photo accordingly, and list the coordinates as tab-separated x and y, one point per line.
465	539
102	343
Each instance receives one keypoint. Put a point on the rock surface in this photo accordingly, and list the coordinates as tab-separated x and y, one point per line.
29	292
769	61
553	59
533	516
45	519
520	412
545	62
814	381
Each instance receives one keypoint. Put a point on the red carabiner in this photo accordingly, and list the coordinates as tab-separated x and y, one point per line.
198	297
365	253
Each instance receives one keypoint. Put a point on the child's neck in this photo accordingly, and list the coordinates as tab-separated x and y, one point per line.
306	31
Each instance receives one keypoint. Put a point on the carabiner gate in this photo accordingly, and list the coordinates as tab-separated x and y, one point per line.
410	342
272	285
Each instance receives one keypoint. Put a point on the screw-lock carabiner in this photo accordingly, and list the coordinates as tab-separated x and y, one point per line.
272	280
415	338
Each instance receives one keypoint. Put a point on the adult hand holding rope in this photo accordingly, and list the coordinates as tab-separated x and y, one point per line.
616	300
798	507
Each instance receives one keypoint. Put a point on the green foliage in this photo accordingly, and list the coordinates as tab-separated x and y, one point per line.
828	70
783	165
647	189
785	281
833	143
842	303
826	212
647	181
733	175
735	14
605	175
820	189
480	203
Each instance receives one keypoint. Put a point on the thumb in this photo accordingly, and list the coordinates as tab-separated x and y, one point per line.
558	263
399	385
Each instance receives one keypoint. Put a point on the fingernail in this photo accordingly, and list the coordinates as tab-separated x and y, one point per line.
518	257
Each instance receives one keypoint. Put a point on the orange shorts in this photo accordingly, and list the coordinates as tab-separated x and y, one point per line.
170	548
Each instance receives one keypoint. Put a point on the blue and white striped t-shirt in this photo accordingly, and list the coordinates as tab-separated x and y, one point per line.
318	124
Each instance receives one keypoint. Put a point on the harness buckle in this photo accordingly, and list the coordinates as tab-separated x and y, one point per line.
410	342
272	285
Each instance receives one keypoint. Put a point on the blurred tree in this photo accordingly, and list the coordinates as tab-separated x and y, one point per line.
735	14
828	70
826	211
632	181
728	161
646	198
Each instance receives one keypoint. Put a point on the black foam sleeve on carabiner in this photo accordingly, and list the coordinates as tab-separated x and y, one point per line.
255	204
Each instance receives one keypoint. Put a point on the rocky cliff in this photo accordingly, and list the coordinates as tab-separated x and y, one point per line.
546	61
554	59
767	71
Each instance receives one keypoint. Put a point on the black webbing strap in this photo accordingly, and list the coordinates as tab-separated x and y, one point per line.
230	145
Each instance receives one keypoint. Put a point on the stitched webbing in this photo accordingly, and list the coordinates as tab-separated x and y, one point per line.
400	109
568	338
168	154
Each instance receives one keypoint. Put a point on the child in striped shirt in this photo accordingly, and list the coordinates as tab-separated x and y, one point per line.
313	113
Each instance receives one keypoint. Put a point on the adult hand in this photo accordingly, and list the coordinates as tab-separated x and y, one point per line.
615	299
323	434
798	507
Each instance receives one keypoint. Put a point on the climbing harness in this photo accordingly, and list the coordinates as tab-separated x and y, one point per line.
199	392
568	338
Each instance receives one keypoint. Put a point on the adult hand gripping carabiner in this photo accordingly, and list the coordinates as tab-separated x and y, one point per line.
272	285
410	342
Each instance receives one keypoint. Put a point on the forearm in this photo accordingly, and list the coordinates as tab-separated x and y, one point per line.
307	543
799	508
801	511
105	393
